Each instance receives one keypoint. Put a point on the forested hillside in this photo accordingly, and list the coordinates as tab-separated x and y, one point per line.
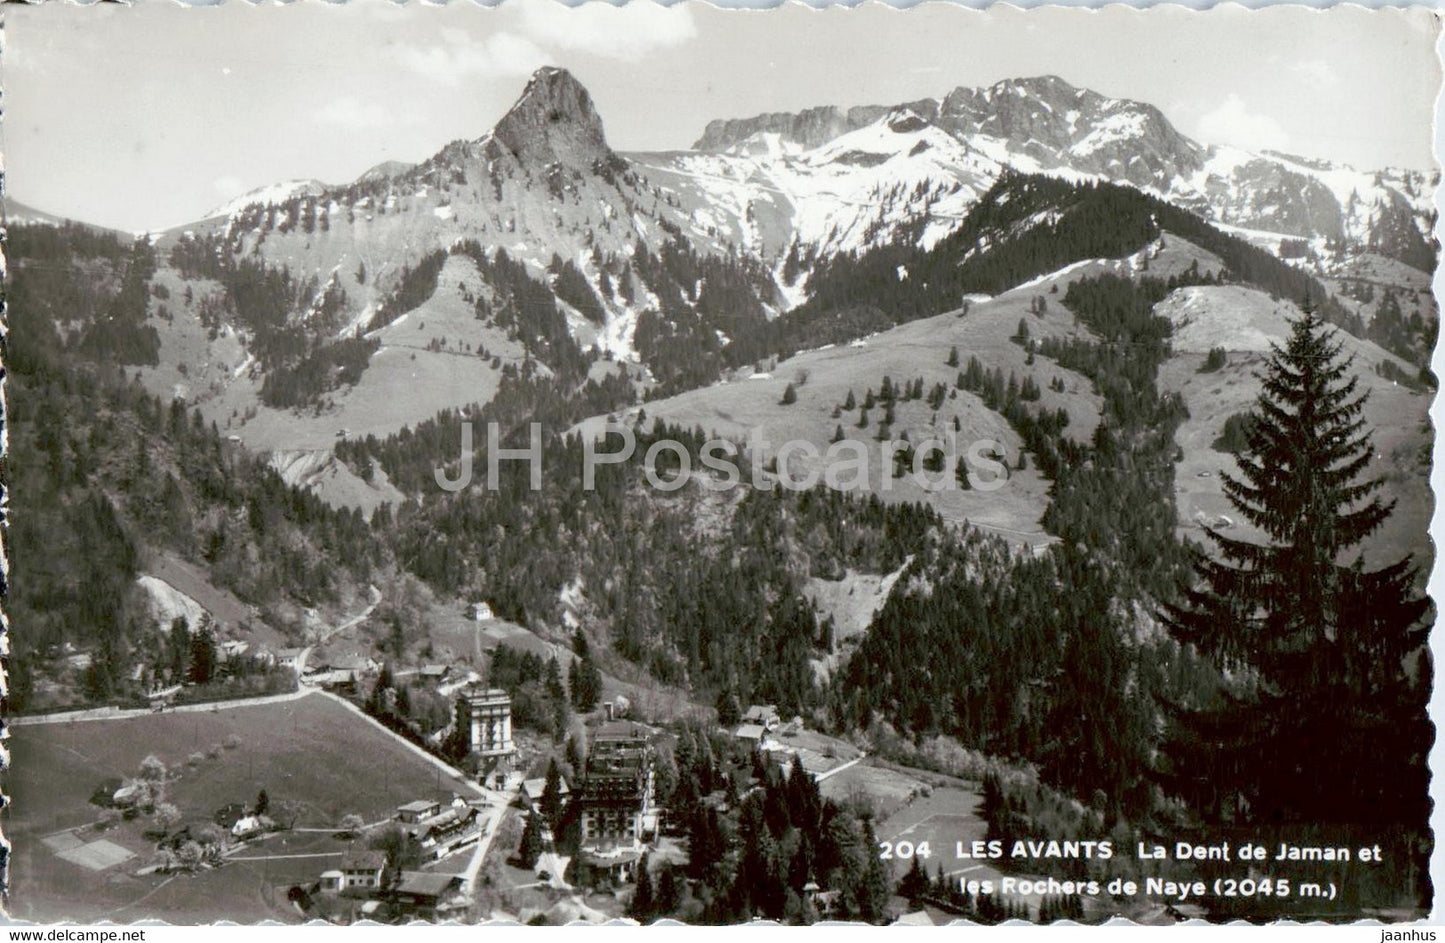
112	476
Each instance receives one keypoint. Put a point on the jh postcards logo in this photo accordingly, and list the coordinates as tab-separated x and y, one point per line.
935	464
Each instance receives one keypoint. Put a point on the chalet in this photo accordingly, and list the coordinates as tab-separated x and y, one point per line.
434	674
754	735
442	834
332	882
424	893
764	715
289	658
336	679
362	869
414	812
355	664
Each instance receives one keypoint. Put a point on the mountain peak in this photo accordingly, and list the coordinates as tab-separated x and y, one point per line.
553	121
1044	86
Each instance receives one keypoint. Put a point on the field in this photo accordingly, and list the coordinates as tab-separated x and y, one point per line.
888	790
945	817
312	753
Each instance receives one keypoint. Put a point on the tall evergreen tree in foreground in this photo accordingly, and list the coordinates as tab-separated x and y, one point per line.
1320	721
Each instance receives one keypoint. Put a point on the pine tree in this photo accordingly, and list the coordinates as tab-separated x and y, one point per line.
1322	656
203	655
585	682
642	906
669	895
790	396
530	848
729	710
180	646
551	801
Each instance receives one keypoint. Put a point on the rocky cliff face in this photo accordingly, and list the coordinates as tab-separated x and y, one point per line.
553	122
808	129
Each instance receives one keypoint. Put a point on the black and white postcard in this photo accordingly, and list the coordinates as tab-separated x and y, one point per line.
545	464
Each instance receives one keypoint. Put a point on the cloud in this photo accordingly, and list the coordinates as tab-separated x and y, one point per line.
1233	123
628	32
458	57
355	115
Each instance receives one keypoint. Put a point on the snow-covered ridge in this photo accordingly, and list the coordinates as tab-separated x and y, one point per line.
268	196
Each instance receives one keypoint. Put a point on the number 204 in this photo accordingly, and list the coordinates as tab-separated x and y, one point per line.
903	850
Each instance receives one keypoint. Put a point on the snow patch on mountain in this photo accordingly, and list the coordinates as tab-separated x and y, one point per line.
268	196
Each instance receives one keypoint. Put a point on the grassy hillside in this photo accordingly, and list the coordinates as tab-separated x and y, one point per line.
750	402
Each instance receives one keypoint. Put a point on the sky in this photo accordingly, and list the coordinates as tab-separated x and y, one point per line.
146	116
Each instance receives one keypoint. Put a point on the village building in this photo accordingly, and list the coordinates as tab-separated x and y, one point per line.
824	902
423	894
764	715
618	866
615	806
231	649
247	826
434	674
532	790
754	735
414	812
442	834
362	870
289	658
487	716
